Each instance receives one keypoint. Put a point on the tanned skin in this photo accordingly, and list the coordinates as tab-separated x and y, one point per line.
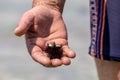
44	24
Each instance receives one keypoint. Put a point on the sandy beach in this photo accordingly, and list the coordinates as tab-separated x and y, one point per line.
15	61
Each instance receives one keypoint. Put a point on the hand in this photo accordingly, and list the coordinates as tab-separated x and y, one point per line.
42	25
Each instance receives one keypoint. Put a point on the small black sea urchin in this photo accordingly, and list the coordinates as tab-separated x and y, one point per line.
54	50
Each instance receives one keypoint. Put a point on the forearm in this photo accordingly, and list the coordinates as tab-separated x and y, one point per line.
54	4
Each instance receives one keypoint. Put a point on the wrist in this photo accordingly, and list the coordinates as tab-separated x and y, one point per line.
53	4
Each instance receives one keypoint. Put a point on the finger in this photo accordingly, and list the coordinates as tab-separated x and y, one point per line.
39	56
66	61
24	24
56	62
68	52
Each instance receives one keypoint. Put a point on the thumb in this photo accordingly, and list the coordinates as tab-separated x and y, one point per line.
24	24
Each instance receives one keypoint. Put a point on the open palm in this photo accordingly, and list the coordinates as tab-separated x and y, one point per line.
42	25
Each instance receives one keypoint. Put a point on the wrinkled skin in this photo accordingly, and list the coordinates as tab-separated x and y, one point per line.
42	25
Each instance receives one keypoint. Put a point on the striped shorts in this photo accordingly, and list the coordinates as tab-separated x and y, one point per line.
105	29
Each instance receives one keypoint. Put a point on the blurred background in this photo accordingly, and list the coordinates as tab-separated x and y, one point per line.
15	62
